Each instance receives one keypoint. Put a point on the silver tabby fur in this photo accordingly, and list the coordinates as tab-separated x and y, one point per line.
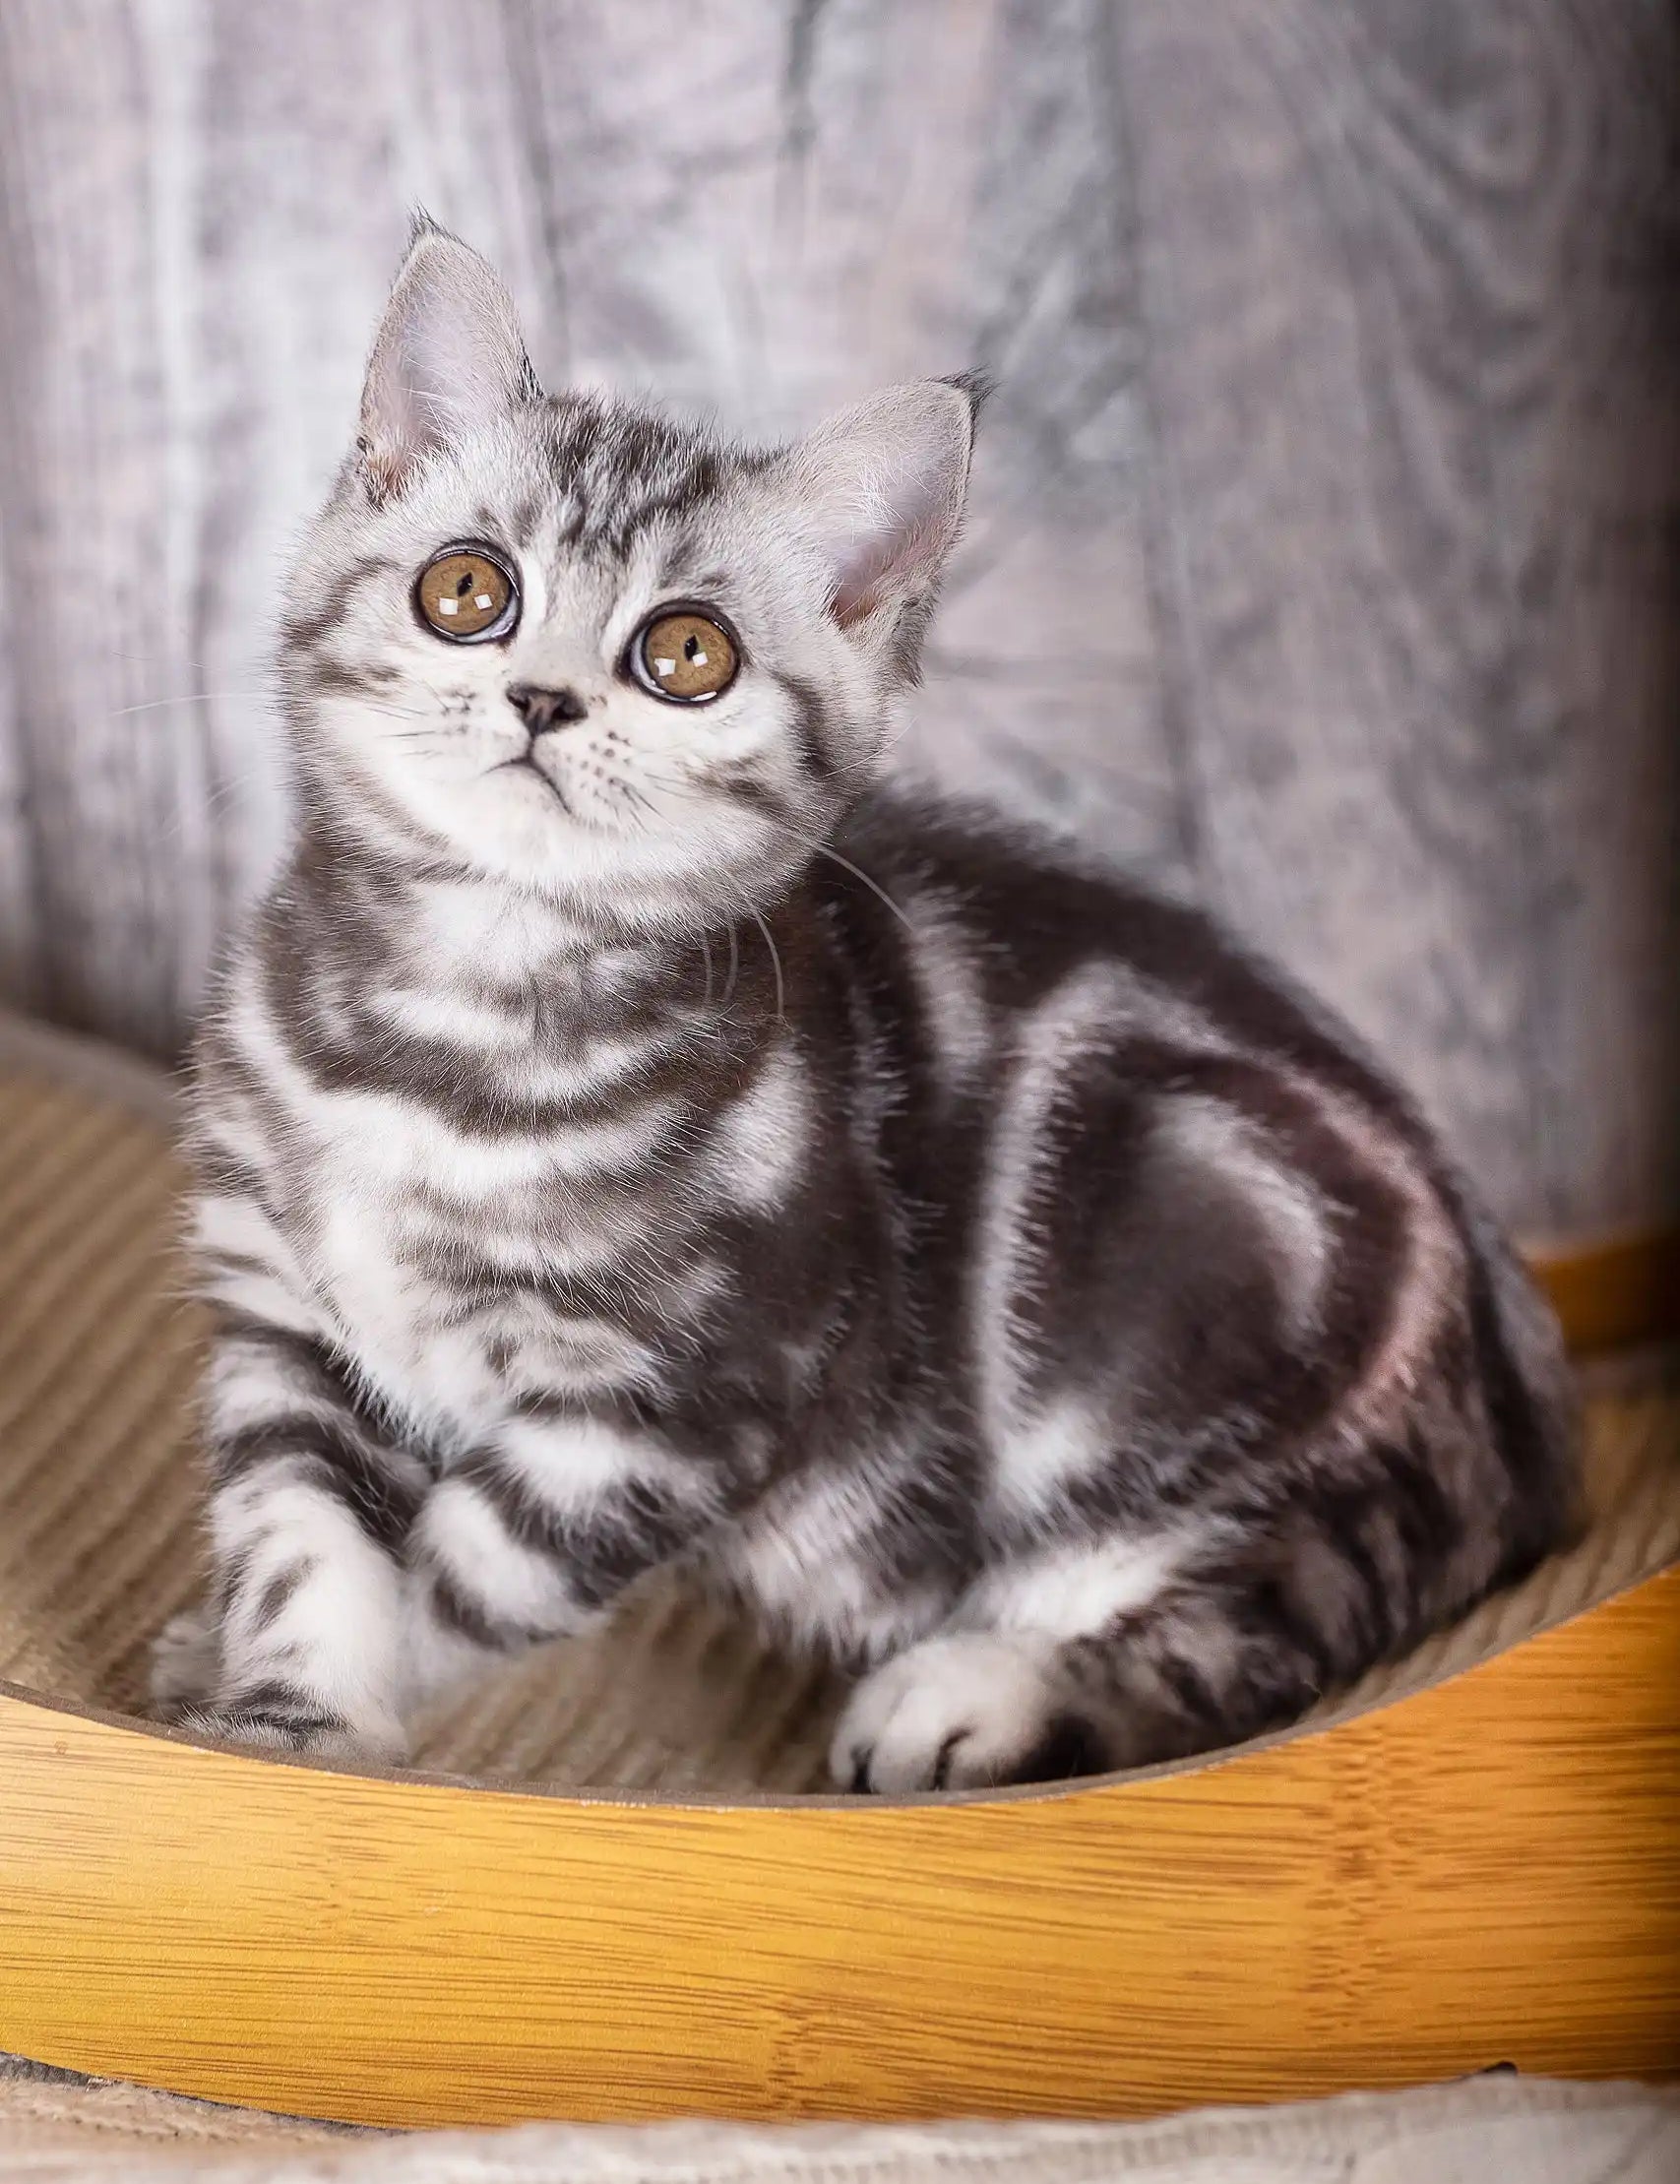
1009	1285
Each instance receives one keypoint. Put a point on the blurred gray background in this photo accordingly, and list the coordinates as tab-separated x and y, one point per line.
1326	550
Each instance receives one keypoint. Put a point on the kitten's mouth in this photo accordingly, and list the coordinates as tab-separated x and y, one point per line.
529	765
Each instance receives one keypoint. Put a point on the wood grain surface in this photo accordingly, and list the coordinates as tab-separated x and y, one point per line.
1325	548
1487	1872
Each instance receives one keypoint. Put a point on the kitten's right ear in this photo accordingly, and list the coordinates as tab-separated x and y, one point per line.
448	354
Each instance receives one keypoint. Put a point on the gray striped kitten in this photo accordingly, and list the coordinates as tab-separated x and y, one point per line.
626	1136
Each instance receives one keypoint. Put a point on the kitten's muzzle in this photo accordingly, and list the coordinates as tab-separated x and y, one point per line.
542	710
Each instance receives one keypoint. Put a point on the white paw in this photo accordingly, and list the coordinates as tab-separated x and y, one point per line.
186	1660
970	1711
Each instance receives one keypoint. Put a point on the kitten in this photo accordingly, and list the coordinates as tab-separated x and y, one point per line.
624	1135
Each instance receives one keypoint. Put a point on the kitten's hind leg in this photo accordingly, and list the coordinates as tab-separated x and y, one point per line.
1086	1659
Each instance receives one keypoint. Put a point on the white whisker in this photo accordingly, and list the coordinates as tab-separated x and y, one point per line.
191	698
834	856
775	965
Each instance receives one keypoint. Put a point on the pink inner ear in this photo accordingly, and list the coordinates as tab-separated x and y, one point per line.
884	487
888	573
895	563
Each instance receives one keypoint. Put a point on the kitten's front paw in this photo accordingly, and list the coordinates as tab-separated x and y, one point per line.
289	1725
971	1710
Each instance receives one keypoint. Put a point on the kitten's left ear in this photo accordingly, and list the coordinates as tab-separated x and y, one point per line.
448	356
881	488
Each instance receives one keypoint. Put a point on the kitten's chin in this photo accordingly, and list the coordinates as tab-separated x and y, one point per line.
639	870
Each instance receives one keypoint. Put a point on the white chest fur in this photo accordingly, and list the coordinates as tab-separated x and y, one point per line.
440	1257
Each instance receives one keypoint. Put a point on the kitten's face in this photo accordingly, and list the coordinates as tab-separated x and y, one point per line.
576	647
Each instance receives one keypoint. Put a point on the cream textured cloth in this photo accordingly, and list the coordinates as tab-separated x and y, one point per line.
1497	2130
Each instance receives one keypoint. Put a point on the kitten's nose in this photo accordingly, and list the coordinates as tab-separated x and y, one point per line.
541	710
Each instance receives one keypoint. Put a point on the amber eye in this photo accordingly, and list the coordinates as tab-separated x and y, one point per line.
468	593
684	654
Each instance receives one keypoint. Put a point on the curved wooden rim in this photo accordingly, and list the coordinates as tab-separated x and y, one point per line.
1621	1292
1488	1871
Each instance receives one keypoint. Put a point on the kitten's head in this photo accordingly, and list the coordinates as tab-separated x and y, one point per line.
574	645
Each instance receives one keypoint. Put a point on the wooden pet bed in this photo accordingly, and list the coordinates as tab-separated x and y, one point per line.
1474	1859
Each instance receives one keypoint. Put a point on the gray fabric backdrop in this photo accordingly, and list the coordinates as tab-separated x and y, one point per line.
1327	540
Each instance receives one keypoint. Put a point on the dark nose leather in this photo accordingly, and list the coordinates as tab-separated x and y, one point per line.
541	710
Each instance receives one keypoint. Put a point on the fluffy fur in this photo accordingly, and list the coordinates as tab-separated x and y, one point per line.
647	1140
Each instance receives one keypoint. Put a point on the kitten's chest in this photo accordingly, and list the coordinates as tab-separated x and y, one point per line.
469	1274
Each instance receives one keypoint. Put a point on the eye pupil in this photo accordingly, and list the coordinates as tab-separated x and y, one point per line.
465	586
691	645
